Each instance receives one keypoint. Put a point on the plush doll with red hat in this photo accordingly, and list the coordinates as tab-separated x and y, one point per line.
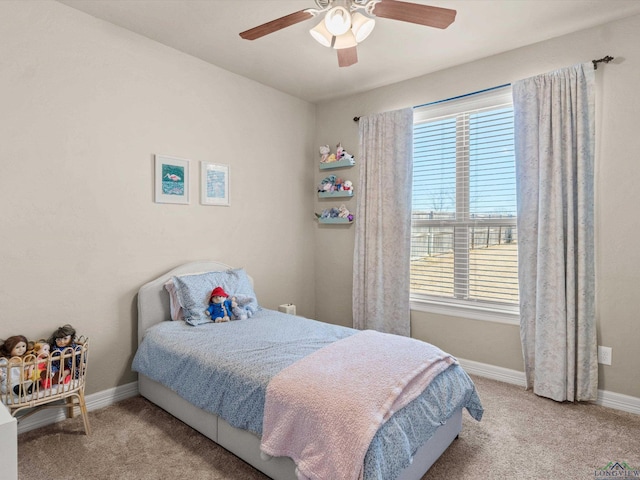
220	307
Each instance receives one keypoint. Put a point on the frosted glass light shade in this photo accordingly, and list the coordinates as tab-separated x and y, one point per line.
338	20
321	34
362	26
346	40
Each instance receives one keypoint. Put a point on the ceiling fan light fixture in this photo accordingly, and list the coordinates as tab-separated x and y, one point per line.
346	40
362	26
345	23
321	34
338	20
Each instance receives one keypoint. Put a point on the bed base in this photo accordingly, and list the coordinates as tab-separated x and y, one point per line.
153	307
241	443
246	445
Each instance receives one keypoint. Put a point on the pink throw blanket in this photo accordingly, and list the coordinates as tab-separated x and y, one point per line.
324	410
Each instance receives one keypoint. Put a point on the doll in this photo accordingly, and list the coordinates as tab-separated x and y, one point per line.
14	377
62	340
41	350
220	307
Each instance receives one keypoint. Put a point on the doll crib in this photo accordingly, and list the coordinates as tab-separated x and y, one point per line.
35	394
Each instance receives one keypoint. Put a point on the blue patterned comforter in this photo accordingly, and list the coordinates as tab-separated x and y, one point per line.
238	359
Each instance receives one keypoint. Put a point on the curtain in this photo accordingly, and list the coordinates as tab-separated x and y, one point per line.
383	223
554	136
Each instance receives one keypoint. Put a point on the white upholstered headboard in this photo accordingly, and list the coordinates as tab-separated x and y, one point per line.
153	299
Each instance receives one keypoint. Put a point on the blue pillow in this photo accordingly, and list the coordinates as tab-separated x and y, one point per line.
194	290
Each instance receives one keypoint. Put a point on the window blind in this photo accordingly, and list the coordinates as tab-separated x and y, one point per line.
464	235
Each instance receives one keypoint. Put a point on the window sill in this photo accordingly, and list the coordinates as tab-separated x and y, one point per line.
489	313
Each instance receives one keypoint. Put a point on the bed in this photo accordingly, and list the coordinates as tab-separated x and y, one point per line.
405	444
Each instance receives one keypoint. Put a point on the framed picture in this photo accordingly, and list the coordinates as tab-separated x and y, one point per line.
171	180
214	187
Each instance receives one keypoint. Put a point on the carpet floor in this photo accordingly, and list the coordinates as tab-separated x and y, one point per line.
522	436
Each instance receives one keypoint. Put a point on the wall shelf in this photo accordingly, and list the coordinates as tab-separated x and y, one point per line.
335	220
339	164
340	193
337	186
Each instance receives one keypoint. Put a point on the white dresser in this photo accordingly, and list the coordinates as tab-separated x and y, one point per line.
8	444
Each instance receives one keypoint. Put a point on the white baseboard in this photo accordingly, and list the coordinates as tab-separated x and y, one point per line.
618	401
94	401
613	400
501	374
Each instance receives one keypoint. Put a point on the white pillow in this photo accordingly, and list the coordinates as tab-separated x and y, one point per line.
174	303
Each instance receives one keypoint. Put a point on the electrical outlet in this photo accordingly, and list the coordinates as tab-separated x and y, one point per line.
604	355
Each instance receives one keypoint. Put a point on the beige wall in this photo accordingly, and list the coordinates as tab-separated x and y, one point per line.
617	195
85	105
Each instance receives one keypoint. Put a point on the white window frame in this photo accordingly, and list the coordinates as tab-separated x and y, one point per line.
476	310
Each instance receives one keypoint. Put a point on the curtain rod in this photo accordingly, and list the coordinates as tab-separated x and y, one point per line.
356	119
605	59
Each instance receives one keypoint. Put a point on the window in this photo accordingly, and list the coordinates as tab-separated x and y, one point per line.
463	234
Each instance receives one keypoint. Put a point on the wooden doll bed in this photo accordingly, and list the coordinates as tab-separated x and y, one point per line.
64	394
154	307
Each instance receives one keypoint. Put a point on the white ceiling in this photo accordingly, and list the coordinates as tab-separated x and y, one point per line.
291	61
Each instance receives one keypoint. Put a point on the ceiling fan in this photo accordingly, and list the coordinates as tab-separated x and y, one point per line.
348	22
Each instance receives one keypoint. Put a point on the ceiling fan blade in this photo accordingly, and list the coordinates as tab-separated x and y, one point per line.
347	56
275	25
412	12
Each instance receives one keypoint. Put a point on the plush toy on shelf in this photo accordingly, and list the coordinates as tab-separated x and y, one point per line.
342	154
324	153
13	376
328	213
326	156
327	183
348	156
334	184
220	307
343	212
334	212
